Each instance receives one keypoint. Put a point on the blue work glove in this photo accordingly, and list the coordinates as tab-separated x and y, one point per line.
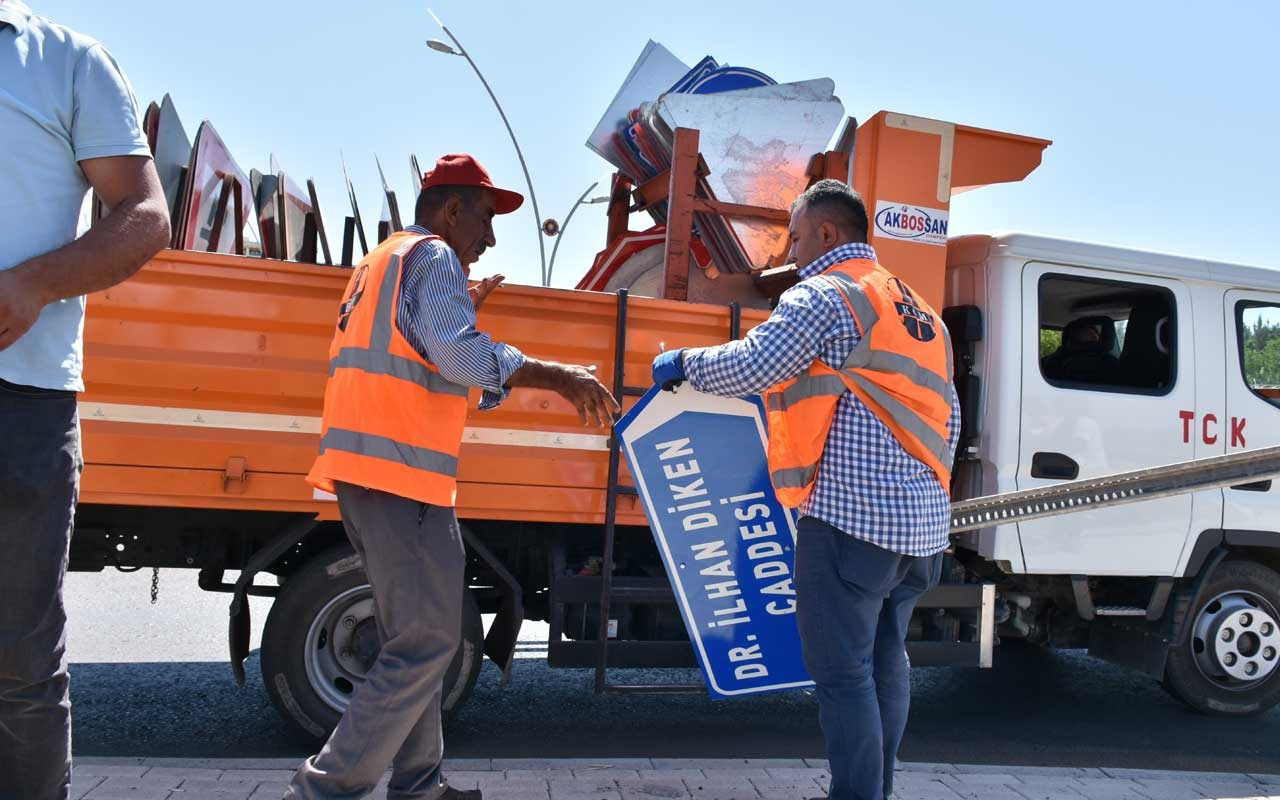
668	369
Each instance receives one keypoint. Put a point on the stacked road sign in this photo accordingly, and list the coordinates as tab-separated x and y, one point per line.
217	208
757	137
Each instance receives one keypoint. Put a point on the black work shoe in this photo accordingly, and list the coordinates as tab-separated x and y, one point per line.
452	793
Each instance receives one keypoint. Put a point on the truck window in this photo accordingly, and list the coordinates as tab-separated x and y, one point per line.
1111	336
1258	331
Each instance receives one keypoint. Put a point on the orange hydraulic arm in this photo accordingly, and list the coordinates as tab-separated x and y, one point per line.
907	170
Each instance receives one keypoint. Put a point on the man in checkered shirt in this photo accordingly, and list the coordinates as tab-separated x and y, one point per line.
872	532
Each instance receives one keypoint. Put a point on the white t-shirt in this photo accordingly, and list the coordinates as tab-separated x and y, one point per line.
62	100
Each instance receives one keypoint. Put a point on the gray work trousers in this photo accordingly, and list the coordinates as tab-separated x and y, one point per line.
39	479
415	559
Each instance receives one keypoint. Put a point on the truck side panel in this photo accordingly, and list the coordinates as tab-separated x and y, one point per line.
206	375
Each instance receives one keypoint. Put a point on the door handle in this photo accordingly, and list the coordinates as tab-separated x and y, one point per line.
1256	486
1054	466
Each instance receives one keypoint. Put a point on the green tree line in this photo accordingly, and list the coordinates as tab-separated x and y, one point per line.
1049	341
1261	339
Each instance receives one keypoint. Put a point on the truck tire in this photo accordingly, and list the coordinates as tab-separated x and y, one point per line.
1230	663
320	639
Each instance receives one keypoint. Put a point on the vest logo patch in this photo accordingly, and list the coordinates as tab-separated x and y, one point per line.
918	322
349	304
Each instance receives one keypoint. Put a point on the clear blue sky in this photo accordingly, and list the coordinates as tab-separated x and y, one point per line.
1165	116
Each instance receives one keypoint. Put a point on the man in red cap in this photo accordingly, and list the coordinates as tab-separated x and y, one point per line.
405	353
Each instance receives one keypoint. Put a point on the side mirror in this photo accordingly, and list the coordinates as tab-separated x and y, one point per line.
964	323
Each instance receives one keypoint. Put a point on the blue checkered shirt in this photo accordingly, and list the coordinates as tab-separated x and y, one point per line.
868	486
438	319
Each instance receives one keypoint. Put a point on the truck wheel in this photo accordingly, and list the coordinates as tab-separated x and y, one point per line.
321	638
1230	664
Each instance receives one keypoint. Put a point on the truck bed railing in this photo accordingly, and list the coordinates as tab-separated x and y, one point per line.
615	490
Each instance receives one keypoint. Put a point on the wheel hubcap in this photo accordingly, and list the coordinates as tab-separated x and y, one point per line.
1236	640
341	645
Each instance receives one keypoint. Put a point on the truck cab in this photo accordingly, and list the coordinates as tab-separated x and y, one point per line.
1094	360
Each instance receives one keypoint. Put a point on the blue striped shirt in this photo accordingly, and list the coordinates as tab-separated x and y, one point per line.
868	486
438	319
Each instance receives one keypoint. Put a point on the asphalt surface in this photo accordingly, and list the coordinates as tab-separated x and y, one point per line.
154	681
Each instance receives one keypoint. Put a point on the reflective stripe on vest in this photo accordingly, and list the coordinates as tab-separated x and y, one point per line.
864	314
384	363
866	317
369	444
863	357
794	477
377	358
906	419
836	383
401	435
882	361
880	377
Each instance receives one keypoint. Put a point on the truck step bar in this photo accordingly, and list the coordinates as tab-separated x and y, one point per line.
1120	611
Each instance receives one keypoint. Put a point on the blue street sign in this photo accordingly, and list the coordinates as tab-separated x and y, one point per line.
700	464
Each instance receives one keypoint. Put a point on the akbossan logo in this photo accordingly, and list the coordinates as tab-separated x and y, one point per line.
912	223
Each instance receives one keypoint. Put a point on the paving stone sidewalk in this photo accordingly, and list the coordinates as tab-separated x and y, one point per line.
671	779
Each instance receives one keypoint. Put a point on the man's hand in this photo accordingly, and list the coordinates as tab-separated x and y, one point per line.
20	304
668	369
576	384
580	386
481	290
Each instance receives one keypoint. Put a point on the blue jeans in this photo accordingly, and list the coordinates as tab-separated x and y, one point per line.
853	603
39	480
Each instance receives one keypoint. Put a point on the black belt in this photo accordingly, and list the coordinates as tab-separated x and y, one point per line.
34	392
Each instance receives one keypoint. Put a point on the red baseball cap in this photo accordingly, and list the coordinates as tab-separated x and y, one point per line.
461	169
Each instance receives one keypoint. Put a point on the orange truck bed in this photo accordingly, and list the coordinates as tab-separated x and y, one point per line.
205	376
205	373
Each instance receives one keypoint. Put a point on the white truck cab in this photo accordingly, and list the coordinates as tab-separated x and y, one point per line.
1078	360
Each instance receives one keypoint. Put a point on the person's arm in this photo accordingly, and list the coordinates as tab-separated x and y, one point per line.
574	383
106	140
134	230
777	350
440	322
953	424
438	318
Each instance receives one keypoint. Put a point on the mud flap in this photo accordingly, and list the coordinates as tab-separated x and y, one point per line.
238	626
500	641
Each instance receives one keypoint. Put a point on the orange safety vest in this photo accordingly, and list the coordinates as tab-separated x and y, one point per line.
900	370
391	421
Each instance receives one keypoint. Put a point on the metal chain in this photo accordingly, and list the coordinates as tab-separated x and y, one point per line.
155	584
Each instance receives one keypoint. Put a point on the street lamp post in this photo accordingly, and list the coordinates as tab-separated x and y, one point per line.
582	201
458	50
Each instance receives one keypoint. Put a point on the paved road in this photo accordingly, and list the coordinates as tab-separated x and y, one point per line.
673	779
153	681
